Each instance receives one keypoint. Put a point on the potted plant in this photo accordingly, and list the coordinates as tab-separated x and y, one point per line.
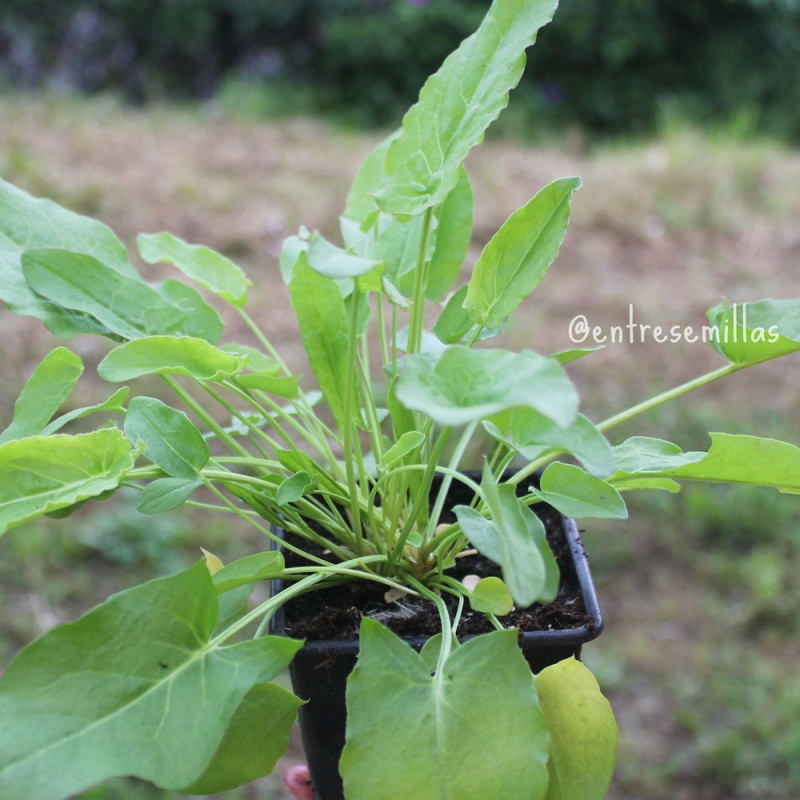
160	681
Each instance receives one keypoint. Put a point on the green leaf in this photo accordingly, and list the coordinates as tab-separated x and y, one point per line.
293	488
126	306
112	403
567	356
574	493
210	269
165	494
746	459
256	737
491	596
202	321
406	444
44	392
334	262
360	200
529	568
168	355
583	733
452	239
533	434
519	254
41	474
257	361
466	385
480	532
454	322
247	570
643	454
135	687
457	105
27	223
171	441
755	332
321	314
451	735
286	387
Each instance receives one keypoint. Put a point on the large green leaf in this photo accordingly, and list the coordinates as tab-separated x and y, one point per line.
41	474
755	332
472	731
126	306
26	223
210	269
583	733
171	441
322	317
135	687
457	105
249	569
169	355
465	385
529	568
746	459
644	454
576	494
256	737
519	254
44	392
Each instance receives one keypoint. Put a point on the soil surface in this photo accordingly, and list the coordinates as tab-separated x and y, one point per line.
335	613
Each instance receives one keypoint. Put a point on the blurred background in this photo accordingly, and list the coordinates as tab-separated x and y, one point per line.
232	122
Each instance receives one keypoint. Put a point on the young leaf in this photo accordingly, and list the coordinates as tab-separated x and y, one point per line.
41	474
126	306
519	254
480	532
112	403
26	223
321	314
533	433
466	385
754	332
333	262
44	392
439	733
576	494
169	355
454	322
165	494
457	105
491	596
643	454
525	557
171	441
406	444
293	488
247	570
210	269
256	737
135	687
583	733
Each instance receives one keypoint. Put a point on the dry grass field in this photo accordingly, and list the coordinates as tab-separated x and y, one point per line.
701	642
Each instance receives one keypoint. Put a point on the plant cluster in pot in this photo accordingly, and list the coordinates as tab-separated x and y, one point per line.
172	681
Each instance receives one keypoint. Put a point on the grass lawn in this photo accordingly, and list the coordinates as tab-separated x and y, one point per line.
701	644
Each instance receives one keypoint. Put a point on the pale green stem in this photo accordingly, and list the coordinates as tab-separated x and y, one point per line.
420	284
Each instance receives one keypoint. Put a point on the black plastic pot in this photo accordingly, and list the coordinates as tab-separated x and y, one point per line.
319	674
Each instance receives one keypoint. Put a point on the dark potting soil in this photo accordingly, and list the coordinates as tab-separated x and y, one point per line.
335	613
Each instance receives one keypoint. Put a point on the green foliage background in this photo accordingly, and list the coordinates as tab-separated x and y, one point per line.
609	65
